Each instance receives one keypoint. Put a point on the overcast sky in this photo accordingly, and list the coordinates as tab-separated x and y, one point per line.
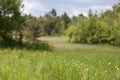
72	7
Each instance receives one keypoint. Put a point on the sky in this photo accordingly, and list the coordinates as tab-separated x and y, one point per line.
72	7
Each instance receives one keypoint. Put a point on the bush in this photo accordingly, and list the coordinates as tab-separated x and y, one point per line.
37	45
93	30
10	43
31	45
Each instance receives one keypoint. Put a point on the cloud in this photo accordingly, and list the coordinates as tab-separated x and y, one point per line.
76	12
100	7
94	8
72	7
32	7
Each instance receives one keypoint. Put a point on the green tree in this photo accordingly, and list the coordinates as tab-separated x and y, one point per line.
77	29
51	23
102	28
10	21
32	27
53	13
65	20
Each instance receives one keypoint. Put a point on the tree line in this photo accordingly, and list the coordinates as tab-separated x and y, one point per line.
96	28
16	29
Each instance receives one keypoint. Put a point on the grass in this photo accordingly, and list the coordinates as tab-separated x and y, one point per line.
66	62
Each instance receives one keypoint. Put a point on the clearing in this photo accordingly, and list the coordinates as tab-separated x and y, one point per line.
84	62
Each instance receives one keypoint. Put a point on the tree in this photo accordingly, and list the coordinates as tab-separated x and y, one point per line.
32	27
65	20
10	21
102	28
51	23
78	29
53	13
116	7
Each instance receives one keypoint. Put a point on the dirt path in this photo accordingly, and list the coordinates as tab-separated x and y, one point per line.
61	43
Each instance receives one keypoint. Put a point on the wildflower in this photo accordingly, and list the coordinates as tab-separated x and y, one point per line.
105	71
117	68
87	69
82	64
109	63
76	64
16	56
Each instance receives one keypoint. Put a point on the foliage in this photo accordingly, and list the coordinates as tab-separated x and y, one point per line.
37	45
31	28
84	64
47	25
10	22
96	28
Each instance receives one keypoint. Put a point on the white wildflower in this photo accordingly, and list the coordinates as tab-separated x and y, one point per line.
117	68
16	56
105	71
109	63
87	69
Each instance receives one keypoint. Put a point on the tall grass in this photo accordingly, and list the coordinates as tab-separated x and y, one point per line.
81	64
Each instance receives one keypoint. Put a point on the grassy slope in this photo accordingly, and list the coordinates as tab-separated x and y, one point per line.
66	62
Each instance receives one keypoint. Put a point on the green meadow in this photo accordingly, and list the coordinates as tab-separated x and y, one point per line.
59	40
65	62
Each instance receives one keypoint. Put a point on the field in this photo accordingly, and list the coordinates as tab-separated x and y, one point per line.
67	61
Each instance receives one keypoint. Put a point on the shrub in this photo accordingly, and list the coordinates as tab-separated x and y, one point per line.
37	45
